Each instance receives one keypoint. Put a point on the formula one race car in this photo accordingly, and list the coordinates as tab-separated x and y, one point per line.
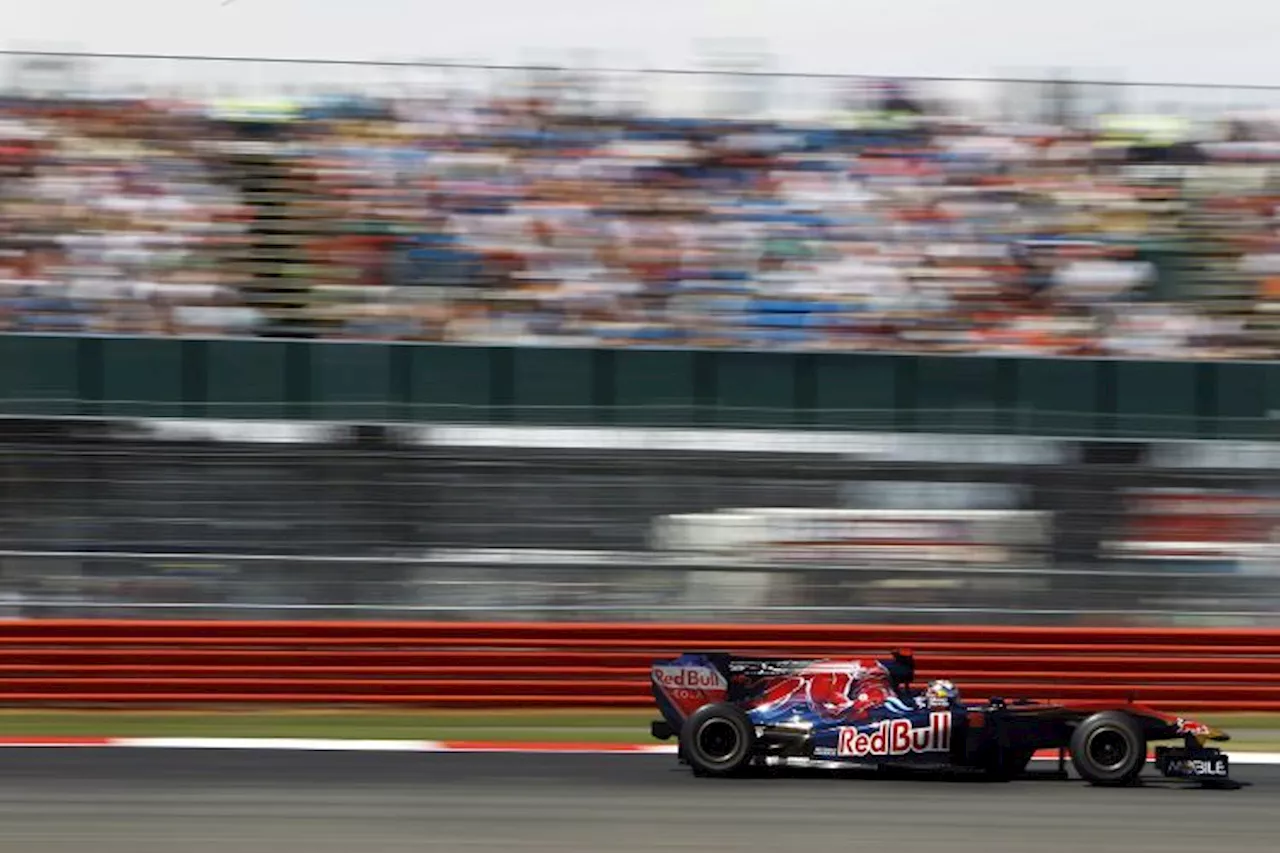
731	714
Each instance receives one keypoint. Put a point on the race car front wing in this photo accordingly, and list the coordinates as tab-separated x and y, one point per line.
1194	762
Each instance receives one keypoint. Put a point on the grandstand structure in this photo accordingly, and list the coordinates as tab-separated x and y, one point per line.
567	352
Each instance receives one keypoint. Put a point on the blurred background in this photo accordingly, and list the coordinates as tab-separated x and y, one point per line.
574	341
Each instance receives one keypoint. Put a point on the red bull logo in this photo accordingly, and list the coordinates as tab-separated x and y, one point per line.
689	678
896	737
688	688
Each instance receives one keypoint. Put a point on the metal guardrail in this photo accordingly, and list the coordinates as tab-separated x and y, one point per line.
283	521
972	421
636	588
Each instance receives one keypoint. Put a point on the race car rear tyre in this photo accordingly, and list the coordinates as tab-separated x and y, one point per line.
718	740
1109	748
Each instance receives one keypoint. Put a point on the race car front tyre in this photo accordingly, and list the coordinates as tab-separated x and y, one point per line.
1109	748
718	740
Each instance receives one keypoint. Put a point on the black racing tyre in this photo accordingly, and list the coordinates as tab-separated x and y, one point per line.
718	740
1109	748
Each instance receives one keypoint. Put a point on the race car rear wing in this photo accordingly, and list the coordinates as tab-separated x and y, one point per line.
683	684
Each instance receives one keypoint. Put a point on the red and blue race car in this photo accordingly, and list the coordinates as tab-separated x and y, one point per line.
729	714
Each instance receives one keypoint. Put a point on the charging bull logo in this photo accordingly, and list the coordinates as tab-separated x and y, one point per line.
837	690
896	737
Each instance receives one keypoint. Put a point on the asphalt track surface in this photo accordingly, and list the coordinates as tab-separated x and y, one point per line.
174	801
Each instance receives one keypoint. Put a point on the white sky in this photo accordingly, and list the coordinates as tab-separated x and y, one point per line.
1225	41
1228	41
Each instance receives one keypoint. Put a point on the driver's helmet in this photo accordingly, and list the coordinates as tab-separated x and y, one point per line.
941	694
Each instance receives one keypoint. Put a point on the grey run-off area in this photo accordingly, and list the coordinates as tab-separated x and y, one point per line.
174	801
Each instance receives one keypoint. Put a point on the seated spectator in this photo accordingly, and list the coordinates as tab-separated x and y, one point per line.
513	221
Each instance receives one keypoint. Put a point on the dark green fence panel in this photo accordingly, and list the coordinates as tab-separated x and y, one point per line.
653	387
452	383
50	375
1155	399
961	394
142	377
1238	397
247	379
755	389
855	393
353	382
39	375
553	386
1055	397
1272	403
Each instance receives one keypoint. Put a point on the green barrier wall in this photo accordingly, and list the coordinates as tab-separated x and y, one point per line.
269	379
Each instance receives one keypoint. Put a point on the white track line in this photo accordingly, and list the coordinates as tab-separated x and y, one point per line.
341	745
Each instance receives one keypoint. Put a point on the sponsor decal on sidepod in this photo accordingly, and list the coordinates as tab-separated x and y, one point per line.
896	737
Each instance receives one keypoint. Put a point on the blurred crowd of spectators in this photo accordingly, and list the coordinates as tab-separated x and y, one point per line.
513	221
